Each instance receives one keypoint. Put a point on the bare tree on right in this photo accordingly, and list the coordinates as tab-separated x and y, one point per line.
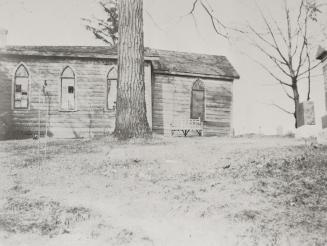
287	47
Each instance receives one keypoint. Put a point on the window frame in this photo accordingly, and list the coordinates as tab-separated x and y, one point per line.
111	68
13	94
61	109
201	88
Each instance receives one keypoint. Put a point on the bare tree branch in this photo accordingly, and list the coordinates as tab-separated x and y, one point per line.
278	107
287	49
304	44
282	109
193	7
219	27
312	68
153	21
285	91
276	61
271	73
309	76
275	46
213	21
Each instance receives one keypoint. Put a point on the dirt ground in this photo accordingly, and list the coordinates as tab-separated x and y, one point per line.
163	191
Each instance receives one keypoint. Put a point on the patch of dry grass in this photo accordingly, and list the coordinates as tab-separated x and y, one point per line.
298	185
170	191
291	184
23	215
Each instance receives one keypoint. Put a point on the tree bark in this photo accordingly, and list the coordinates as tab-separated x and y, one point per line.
131	118
296	101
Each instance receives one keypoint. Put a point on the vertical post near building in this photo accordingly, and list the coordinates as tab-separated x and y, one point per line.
39	129
3	37
45	94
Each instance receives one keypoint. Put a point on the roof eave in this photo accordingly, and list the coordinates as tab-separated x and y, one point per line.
212	76
8	52
37	54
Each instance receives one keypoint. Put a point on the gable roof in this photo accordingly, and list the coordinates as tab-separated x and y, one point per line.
194	63
102	52
164	61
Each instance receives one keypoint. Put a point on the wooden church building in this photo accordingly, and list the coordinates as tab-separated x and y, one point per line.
72	90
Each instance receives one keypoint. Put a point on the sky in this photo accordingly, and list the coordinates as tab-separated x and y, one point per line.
167	26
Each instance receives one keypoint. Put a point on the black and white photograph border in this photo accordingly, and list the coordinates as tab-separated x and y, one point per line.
148	122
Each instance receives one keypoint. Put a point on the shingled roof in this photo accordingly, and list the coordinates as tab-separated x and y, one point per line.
163	61
67	51
194	63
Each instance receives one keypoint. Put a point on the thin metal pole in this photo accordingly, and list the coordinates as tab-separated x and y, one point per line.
46	126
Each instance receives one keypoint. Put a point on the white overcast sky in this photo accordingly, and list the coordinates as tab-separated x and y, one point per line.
49	22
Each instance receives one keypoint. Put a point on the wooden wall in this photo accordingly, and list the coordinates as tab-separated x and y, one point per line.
168	98
5	103
90	118
172	100
325	79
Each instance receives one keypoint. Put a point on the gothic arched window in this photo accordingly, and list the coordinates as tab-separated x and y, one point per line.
197	100
111	95
67	97
21	88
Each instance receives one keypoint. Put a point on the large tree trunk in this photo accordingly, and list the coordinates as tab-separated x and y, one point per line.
131	118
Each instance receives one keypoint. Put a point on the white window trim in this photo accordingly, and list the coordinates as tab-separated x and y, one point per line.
13	83
60	90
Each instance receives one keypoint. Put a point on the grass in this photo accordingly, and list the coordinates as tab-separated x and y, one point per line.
164	191
22	215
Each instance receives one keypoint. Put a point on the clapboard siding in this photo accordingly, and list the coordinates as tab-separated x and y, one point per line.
162	96
172	100
90	85
5	102
168	97
90	116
